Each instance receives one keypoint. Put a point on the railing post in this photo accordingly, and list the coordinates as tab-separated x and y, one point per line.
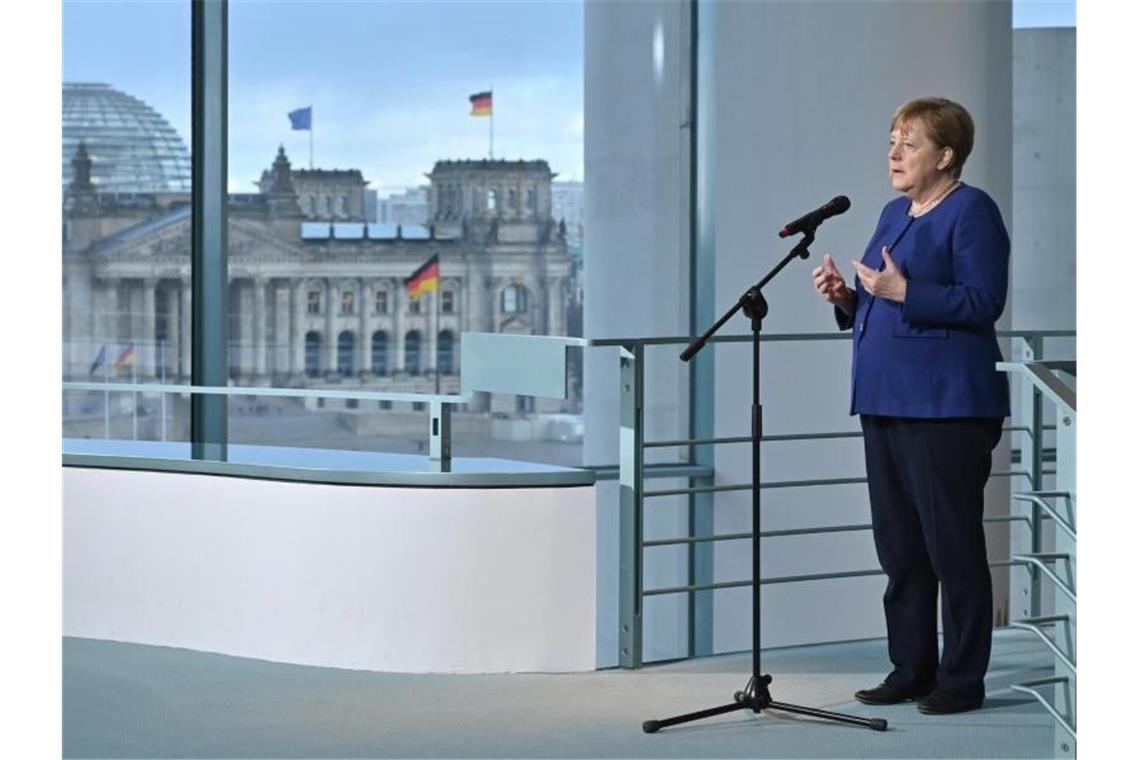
631	487
1032	455
439	433
1065	695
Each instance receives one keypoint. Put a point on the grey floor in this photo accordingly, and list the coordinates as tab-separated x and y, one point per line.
130	700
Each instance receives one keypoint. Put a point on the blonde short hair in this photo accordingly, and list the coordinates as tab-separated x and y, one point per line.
948	124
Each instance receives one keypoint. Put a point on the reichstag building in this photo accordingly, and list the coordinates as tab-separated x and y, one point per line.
317	294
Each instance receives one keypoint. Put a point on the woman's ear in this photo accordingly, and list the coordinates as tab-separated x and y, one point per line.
946	159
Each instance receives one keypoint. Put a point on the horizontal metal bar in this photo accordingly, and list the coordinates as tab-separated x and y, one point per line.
1046	507
1036	561
1027	688
790	532
778	438
1036	630
661	470
780	579
763	534
748	486
234	390
789	484
776	337
1043	619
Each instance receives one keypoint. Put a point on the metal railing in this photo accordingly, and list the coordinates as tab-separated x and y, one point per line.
633	472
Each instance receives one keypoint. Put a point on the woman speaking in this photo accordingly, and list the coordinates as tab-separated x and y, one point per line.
927	293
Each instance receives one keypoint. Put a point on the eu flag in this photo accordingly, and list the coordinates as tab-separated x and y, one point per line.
302	118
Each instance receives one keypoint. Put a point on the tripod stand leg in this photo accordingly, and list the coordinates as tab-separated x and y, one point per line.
652	726
877	724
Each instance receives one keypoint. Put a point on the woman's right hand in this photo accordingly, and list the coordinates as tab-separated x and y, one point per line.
829	283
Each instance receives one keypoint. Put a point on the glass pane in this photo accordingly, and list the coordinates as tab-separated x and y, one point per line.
126	216
351	169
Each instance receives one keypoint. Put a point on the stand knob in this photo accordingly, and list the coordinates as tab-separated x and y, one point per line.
651	726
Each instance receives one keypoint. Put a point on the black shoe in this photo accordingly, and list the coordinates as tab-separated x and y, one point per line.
888	693
940	702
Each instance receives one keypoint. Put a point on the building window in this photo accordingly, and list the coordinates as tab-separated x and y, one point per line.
312	354
418	406
414	306
492	200
530	200
348	303
446	353
447	302
380	353
513	200
328	206
345	353
514	299
311	205
412	353
381	301
314	302
344	205
384	404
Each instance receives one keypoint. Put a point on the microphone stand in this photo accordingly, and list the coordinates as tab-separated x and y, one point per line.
756	696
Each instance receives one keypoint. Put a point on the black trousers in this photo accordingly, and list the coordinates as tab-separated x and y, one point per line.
926	479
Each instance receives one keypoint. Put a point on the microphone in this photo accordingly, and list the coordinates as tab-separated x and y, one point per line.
812	219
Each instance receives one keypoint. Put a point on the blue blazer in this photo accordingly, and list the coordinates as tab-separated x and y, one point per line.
933	355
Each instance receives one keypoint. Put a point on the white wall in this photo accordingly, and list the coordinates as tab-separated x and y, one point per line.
1044	262
807	91
636	275
351	576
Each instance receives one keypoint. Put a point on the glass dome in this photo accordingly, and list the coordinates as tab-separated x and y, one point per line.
132	148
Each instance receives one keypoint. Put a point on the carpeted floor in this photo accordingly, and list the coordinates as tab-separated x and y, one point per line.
130	700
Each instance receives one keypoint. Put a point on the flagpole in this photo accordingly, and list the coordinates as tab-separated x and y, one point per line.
310	145
492	122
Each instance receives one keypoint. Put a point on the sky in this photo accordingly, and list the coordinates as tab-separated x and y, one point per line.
388	80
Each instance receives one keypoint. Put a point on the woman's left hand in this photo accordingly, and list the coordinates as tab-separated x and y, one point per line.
889	283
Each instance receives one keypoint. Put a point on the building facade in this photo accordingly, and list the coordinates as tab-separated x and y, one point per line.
314	303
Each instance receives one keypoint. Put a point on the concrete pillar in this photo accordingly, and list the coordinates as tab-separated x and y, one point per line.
259	327
147	345
184	334
297	306
431	342
170	346
331	306
399	305
366	307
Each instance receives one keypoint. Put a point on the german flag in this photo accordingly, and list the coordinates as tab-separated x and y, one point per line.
424	279
481	103
126	358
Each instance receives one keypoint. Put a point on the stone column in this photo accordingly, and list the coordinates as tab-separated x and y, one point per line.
329	364
259	331
399	304
170	349
184	334
366	307
431	345
148	350
298	307
496	305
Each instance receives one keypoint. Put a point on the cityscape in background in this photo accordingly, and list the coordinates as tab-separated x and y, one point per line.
317	269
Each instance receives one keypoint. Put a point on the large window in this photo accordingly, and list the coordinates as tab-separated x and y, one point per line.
126	187
337	194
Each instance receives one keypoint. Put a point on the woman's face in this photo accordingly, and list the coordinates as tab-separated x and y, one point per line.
915	163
